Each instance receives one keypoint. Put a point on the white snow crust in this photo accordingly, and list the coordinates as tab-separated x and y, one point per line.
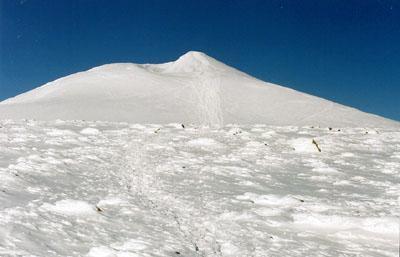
83	188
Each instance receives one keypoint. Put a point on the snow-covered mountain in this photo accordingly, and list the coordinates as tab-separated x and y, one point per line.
97	188
193	89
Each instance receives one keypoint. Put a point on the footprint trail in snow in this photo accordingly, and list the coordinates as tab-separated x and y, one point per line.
81	188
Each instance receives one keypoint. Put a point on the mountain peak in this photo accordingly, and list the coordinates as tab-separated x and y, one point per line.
194	61
195	56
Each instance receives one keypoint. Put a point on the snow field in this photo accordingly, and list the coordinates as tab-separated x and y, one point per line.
79	188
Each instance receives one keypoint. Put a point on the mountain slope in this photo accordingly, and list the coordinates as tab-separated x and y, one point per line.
193	89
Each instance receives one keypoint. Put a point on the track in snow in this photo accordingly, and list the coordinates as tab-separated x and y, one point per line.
96	188
140	171
208	95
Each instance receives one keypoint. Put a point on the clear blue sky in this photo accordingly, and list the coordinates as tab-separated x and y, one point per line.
346	51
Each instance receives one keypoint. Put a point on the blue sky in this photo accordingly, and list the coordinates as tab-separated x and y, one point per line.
346	51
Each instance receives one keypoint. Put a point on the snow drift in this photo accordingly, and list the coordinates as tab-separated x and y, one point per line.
193	89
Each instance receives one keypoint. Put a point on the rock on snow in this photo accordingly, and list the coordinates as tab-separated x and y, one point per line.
80	188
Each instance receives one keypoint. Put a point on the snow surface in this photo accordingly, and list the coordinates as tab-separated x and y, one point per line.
81	188
194	89
95	178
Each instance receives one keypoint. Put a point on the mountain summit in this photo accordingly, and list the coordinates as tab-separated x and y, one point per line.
195	89
195	62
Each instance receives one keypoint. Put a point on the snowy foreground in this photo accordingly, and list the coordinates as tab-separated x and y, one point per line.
114	189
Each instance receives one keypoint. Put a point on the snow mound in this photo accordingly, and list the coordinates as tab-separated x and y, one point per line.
104	251
101	251
385	226
70	207
304	145
204	142
269	200
90	131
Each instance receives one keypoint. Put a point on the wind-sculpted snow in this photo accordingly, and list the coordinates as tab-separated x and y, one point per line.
81	188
